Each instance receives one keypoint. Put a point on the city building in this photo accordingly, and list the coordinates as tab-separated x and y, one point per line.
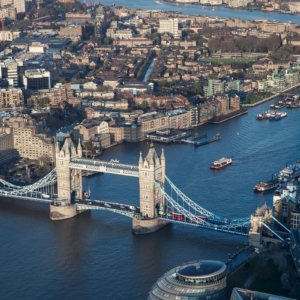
242	294
133	42
74	32
87	128
61	134
37	79
178	119
4	3
152	121
20	5
295	248
100	22
200	279
8	12
100	141
116	133
295	217
11	97
6	146
170	26
61	93
132	132
214	87
28	139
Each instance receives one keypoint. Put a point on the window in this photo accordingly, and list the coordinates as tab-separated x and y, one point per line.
61	162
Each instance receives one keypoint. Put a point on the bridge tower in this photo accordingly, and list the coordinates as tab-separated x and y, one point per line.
150	169
69	181
262	214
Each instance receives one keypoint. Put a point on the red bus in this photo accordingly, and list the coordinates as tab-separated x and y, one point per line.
176	216
200	218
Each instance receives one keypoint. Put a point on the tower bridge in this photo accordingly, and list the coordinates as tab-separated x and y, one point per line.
156	207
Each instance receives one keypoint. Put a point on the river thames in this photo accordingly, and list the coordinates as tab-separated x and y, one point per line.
96	256
220	11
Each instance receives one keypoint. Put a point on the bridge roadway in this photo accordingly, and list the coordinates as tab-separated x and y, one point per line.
244	231
105	167
123	209
32	196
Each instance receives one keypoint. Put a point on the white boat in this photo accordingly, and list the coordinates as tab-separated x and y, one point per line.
221	163
287	173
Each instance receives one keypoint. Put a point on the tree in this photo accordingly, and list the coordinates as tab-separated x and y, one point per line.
143	105
30	103
106	41
214	45
91	68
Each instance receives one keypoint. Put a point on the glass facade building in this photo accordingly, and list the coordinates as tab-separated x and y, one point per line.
201	279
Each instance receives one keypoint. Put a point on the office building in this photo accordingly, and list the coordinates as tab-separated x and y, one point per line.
37	79
200	279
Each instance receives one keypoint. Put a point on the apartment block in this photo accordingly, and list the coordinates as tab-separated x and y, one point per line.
11	97
6	147
20	5
27	139
169	26
116	133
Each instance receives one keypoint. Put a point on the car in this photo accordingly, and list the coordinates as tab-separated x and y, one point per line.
122	206
107	205
44	195
30	194
132	207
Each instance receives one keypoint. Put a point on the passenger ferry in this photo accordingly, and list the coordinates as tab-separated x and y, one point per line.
221	163
280	115
287	173
267	185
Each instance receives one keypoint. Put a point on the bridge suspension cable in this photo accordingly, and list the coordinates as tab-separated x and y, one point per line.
201	210
47	180
197	219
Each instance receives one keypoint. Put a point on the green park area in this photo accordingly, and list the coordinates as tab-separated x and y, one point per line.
251	99
227	60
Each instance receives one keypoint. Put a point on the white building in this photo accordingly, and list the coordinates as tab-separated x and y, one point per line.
211	2
20	5
6	2
103	128
169	26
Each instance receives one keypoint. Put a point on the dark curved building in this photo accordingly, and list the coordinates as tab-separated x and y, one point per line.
200	279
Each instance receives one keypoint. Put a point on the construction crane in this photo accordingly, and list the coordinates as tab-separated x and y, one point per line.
3	35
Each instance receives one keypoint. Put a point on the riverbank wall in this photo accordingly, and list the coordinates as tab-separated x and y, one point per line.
272	97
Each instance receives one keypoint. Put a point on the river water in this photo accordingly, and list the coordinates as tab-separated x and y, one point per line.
221	12
95	255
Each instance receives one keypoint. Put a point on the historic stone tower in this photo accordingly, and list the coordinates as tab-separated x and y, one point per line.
69	182
262	214
150	169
